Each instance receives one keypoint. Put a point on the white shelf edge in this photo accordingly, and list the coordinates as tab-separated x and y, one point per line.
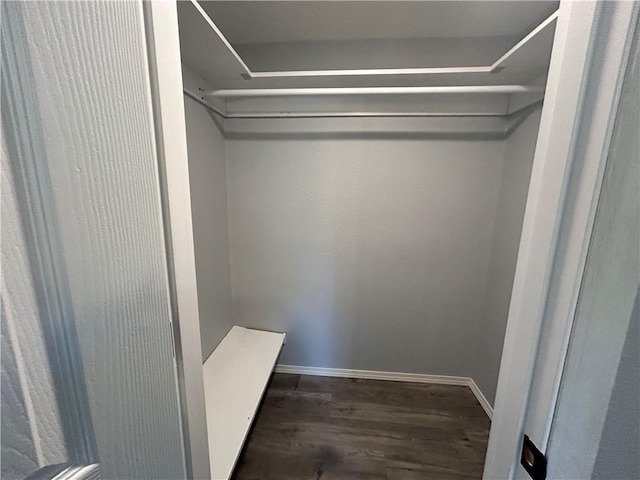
550	20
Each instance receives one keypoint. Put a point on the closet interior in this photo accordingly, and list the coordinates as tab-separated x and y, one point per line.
358	173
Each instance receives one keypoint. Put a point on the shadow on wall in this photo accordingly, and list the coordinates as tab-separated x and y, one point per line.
620	441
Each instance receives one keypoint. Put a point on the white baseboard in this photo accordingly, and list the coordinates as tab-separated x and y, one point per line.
390	376
484	403
372	375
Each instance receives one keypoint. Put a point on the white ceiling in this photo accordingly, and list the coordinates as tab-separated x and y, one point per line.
245	22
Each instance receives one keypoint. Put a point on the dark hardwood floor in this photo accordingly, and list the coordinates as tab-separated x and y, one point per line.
321	428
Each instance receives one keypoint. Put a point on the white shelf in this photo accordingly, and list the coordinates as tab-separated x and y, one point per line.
207	51
235	377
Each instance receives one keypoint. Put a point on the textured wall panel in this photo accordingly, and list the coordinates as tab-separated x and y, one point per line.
90	74
31	428
19	458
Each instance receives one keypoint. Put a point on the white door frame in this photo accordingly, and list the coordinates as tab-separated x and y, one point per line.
587	67
165	70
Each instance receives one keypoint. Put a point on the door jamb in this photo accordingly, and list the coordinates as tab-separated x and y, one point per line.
564	188
165	71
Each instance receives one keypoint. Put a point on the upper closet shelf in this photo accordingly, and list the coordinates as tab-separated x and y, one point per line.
447	89
203	47
508	57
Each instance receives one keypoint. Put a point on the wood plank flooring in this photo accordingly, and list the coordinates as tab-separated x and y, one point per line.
321	428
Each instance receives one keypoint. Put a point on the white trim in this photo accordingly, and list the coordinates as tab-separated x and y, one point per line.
392	377
372	375
612	54
375	71
161	24
484	403
551	250
543	212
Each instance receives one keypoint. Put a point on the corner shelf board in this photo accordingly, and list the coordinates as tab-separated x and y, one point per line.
235	378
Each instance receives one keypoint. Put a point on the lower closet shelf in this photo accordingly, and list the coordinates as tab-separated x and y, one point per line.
235	377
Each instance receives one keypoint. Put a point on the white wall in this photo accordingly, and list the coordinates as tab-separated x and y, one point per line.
516	171
208	177
370	250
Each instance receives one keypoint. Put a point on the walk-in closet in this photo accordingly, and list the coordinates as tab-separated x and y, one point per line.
358	176
319	240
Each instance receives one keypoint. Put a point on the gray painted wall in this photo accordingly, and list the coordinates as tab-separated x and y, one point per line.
620	441
208	178
618	453
371	251
375	244
519	148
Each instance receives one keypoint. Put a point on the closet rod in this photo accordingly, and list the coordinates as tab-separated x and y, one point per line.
286	92
259	115
274	115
